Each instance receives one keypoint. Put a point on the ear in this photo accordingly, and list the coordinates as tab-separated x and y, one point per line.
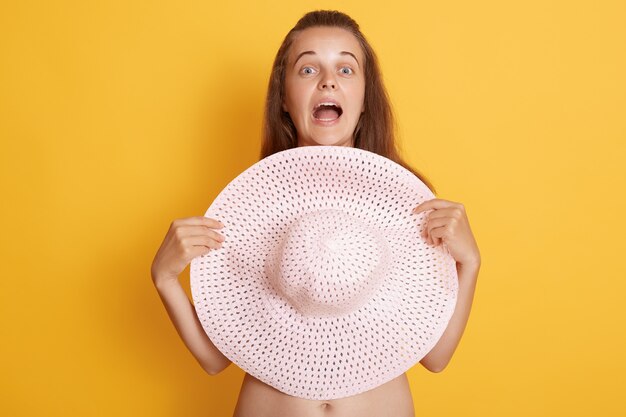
285	107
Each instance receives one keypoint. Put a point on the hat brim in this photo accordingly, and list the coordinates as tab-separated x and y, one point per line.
322	357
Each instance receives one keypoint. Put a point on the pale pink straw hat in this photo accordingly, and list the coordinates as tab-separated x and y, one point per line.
323	287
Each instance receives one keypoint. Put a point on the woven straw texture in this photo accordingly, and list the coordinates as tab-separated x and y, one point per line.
323	287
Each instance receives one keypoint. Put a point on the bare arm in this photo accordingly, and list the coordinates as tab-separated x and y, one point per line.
182	313
437	359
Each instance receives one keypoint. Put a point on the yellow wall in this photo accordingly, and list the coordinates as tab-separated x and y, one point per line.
117	117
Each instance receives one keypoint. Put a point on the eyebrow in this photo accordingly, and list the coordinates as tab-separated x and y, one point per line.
313	53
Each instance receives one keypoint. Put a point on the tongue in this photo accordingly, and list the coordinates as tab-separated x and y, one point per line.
326	113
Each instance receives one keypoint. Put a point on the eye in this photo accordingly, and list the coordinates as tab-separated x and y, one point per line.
308	70
346	70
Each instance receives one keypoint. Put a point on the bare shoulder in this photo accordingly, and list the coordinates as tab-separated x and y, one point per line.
257	399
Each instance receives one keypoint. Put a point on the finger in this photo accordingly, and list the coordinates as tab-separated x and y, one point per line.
215	235
434	223
444	212
437	234
204	241
205	231
199	250
199	221
423	206
211	222
435	203
198	230
431	225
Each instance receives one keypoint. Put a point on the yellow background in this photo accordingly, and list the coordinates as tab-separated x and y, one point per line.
117	117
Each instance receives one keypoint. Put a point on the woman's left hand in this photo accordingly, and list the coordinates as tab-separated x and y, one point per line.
448	224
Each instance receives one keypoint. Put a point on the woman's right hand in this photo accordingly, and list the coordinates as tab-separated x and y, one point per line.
186	239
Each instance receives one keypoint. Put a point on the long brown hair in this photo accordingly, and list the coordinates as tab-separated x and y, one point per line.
375	130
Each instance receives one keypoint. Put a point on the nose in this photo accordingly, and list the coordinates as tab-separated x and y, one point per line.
328	82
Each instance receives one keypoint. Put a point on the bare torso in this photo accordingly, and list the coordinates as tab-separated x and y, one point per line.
257	399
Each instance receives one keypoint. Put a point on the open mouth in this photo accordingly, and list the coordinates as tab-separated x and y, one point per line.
327	111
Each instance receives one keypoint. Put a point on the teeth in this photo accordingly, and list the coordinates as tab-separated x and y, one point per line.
327	104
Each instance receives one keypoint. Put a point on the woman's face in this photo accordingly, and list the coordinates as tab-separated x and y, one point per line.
325	86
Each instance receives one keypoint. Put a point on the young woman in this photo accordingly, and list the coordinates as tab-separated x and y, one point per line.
325	89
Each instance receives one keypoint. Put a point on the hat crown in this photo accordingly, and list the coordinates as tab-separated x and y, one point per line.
329	263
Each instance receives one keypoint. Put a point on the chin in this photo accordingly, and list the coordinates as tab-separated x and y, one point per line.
326	141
